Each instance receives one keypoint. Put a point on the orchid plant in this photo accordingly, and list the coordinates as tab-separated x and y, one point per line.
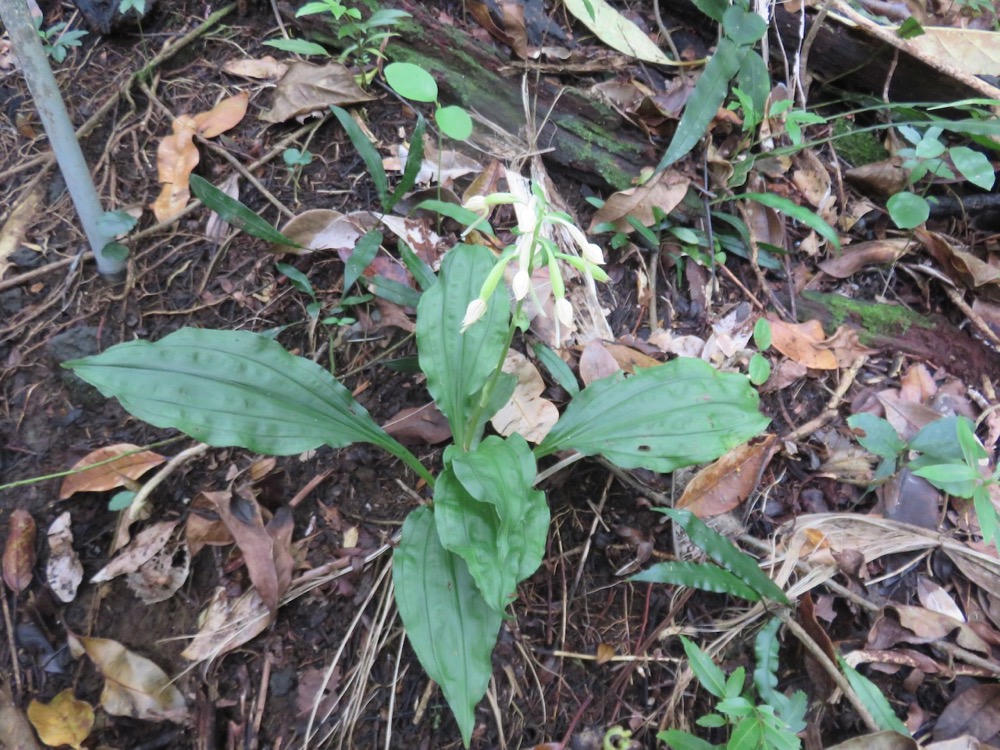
483	528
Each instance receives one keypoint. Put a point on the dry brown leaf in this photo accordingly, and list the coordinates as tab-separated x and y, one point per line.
975	712
144	547
242	516
596	362
628	358
307	88
215	226
441	170
63	571
227	623
176	158
263	68
664	192
14	725
527	412
325	229
728	482
973	51
813	182
802	342
879	179
605	653
961	266
133	685
204	527
878	741
19	551
933	596
14	229
420	424
109	476
864	254
280	528
160	577
62	721
224	116
919	625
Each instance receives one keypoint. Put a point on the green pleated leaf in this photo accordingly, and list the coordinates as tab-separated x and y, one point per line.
680	413
458	364
232	388
724	552
488	513
873	698
699	576
448	623
708	95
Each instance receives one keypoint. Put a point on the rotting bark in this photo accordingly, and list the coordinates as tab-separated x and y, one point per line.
586	139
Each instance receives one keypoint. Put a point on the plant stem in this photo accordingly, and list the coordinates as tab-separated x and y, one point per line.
491	384
52	112
402	452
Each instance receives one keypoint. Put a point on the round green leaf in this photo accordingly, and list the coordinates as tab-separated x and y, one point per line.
759	370
762	334
908	210
454	122
974	166
411	82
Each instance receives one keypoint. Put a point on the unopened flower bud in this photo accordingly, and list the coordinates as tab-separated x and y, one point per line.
475	310
564	311
521	284
592	253
478	204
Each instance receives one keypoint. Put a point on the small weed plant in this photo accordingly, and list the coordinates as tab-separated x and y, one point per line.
483	529
57	39
359	39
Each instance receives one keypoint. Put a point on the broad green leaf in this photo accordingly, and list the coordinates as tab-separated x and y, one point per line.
708	95
558	369
414	161
959	480
233	388
753	78
234	212
872	697
908	210
298	47
800	213
735	706
972	450
709	675
748	735
368	153
361	257
680	740
448	623
680	413
116	222
121	500
714	9
701	576
879	436
734	687
762	334
411	82
725	553
939	440
488	514
454	122
743	26
458	364
974	166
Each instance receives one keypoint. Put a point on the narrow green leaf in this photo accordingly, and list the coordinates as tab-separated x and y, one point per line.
709	675
422	273
361	257
972	450
233	388
457	364
680	740
800	213
411	82
557	368
121	500
234	212
699	576
448	623
414	161
753	78
725	553
872	697
299	280
747	735
368	153
708	95
680	413
766	647
394	291
460	214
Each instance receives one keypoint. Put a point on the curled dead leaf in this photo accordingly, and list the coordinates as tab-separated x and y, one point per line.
728	482
131	465
527	412
19	551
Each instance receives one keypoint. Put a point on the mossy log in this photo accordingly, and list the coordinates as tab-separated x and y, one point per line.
586	138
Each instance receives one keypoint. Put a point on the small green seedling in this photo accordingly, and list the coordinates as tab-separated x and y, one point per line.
56	40
759	368
416	84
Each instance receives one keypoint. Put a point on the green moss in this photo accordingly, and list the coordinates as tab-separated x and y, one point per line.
857	148
875	319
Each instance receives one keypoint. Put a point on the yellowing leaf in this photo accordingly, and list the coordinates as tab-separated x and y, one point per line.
527	412
224	116
133	685
111	475
263	68
616	31
63	721
227	623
